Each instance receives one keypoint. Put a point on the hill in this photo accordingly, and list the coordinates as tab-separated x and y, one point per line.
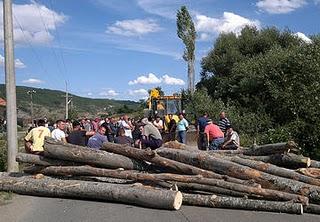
51	104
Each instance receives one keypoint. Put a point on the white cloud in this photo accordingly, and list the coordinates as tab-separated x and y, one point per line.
229	22
303	37
172	81
18	63
109	92
36	21
153	79
280	6
33	81
135	27
138	92
89	94
149	79
163	8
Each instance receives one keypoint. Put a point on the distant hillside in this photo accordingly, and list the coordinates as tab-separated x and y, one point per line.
51	103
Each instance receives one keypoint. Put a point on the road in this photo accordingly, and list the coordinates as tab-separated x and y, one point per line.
39	209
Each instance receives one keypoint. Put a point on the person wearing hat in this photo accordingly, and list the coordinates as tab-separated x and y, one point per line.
151	137
215	136
233	141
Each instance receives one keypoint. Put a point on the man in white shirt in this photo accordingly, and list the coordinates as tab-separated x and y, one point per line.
232	141
158	123
127	126
58	133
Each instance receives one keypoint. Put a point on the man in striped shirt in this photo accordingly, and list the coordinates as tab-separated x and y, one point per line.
223	122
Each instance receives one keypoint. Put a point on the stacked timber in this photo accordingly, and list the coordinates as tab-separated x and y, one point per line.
262	178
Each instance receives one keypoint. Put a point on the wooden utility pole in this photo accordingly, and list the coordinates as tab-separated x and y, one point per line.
67	101
12	134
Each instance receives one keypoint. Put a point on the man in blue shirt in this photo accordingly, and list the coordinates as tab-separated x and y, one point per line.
98	139
201	125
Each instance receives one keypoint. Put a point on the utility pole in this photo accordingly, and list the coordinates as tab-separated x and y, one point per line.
30	92
68	100
12	134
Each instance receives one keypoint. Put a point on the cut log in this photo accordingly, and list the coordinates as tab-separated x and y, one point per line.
42	161
129	194
241	203
310	172
262	150
133	175
312	209
272	169
287	160
80	154
151	156
315	164
222	166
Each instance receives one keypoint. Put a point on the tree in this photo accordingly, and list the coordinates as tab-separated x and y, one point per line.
186	32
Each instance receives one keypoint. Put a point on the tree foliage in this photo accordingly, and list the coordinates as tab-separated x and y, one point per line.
272	75
187	33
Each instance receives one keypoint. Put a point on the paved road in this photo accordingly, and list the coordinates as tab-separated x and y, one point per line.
37	209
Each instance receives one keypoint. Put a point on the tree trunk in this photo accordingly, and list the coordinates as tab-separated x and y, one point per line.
241	203
272	169
310	172
218	165
287	160
315	164
80	154
129	194
151	156
312	209
42	161
133	175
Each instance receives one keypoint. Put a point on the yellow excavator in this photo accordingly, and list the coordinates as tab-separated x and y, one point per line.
162	106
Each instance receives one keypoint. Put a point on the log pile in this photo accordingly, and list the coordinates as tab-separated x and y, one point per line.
263	178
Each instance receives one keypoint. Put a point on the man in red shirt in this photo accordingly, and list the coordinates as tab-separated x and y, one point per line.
215	136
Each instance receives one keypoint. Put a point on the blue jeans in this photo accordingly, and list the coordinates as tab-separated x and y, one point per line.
182	136
214	145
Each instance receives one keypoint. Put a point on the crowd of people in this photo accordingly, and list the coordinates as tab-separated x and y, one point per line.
145	133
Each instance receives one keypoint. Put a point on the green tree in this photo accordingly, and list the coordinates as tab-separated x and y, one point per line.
186	32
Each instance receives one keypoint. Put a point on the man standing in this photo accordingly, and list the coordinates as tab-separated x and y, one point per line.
127	126
172	126
97	140
233	141
151	137
215	136
182	128
58	133
34	140
223	122
201	124
78	136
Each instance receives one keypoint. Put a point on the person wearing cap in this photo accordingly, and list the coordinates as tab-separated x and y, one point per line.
78	136
215	136
232	141
201	125
151	137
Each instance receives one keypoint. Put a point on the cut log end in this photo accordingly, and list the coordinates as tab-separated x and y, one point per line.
177	201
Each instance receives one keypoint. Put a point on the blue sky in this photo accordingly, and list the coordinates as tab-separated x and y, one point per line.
121	48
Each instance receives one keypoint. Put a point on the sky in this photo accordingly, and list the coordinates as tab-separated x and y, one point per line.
119	49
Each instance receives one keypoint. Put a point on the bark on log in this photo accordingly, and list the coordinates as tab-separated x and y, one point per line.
263	150
129	194
312	209
287	160
151	156
315	164
310	172
80	154
133	175
42	161
218	165
272	169
241	203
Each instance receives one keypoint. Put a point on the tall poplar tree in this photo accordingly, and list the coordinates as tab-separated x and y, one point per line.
186	32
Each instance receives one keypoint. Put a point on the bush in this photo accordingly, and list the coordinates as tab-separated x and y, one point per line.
3	155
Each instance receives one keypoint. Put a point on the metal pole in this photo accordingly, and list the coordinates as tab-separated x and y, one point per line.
67	101
12	135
